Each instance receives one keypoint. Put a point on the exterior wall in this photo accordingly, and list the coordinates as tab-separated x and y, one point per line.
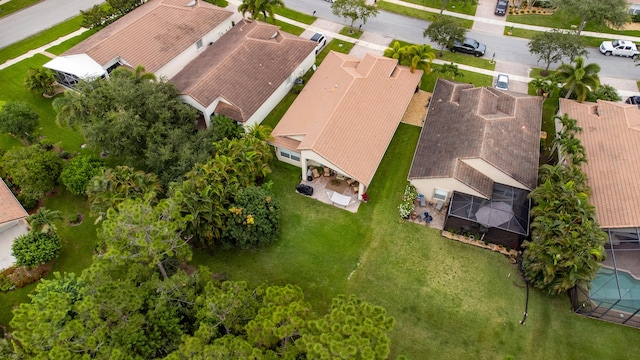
308	157
178	63
288	160
493	173
196	105
281	91
426	187
7	225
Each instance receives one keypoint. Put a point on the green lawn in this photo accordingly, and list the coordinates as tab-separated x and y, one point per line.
295	15
45	37
415	13
348	31
291	29
564	20
528	34
468	8
12	6
64	46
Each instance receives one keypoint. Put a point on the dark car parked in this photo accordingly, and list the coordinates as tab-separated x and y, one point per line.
469	46
635	100
501	7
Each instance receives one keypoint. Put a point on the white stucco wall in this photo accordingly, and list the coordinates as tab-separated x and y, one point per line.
427	187
178	63
494	174
287	160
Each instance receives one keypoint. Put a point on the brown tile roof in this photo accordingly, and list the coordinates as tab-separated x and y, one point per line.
10	208
611	137
349	111
152	34
244	67
464	122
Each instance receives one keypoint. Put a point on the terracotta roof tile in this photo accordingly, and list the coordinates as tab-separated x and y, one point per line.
10	207
152	34
349	111
244	67
463	122
611	137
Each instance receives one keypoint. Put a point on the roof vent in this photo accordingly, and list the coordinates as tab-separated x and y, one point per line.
192	3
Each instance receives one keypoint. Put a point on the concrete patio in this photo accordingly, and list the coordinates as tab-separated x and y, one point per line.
323	189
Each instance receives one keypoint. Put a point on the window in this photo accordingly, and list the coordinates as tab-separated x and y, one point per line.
440	194
199	44
290	154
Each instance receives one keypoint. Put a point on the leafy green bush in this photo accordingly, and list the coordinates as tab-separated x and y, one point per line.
79	171
33	169
406	206
255	219
18	119
35	248
28	202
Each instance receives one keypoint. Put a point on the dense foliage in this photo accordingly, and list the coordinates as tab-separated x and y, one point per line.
18	119
41	244
254	220
555	45
612	13
78	171
413	56
578	78
566	245
34	170
139	119
103	15
354	10
40	81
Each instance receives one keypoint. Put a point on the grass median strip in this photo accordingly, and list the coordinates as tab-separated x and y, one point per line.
416	13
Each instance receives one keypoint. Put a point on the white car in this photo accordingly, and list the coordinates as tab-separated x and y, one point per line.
502	82
619	48
320	39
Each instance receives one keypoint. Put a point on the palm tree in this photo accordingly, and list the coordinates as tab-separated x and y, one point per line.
69	108
579	78
42	221
544	86
420	57
40	81
395	51
264	7
450	69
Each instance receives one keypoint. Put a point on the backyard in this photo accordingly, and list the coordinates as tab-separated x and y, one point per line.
449	300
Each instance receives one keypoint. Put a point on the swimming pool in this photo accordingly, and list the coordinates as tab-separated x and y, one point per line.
606	292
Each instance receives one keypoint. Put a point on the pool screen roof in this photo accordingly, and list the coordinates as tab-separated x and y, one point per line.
508	209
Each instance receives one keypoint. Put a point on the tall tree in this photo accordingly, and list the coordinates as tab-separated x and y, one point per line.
264	7
254	219
555	45
580	78
606	13
151	235
354	10
444	30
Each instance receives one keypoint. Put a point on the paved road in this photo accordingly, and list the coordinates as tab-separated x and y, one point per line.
32	20
508	49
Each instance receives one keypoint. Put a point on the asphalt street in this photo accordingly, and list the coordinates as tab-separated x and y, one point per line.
32	20
506	48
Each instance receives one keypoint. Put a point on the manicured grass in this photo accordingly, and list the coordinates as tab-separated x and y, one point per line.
528	34
415	13
468	8
291	29
59	49
278	112
12	6
458	58
429	81
638	84
348	31
564	20
535	72
12	80
295	15
45	37
335	45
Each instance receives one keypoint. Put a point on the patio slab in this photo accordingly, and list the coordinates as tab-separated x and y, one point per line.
323	194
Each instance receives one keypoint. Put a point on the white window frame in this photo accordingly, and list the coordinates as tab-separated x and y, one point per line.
440	194
199	44
288	154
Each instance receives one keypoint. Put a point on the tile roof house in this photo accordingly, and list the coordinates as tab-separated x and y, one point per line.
161	35
12	224
476	141
346	115
611	137
246	73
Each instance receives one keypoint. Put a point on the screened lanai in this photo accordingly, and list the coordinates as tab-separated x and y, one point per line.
504	219
614	294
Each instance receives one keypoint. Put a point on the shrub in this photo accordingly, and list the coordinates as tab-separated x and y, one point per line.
409	196
46	144
255	219
79	171
28	202
35	248
33	169
635	18
18	119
